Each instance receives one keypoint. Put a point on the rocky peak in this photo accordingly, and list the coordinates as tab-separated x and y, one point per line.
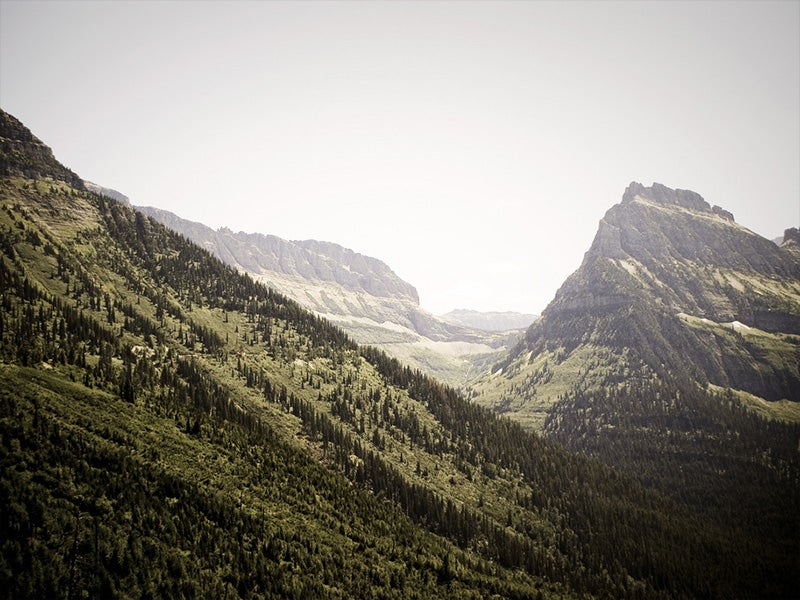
672	289
725	214
790	244
695	232
22	154
664	195
695	260
791	235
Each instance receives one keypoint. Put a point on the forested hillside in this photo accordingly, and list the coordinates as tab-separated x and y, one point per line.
672	354
358	293
172	428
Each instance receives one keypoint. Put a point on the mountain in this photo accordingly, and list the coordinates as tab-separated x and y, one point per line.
170	427
22	154
667	278
672	354
489	321
359	293
304	266
107	192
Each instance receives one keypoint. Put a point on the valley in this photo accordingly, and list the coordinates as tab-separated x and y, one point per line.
364	297
173	427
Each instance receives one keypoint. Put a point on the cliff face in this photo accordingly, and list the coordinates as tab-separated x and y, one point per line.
24	155
670	287
673	248
309	260
359	293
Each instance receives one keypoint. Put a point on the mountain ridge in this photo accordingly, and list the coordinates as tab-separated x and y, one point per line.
170	427
23	154
361	294
311	260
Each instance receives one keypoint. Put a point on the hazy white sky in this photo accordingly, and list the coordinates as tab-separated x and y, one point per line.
471	146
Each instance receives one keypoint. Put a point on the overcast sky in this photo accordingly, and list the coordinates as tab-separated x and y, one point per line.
471	146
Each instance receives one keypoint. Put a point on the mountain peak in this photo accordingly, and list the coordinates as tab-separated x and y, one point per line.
664	195
791	235
22	154
658	224
664	252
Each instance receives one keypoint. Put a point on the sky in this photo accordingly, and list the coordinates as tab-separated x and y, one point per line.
472	146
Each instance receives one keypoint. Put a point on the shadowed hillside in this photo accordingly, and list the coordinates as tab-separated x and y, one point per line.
672	354
171	427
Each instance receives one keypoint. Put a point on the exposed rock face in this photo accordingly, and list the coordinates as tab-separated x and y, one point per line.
308	260
326	277
359	293
697	261
24	155
791	236
664	195
666	281
107	192
718	210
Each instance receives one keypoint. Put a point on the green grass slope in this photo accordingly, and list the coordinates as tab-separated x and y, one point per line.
170	428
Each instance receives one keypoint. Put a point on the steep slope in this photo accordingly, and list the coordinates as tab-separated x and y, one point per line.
107	192
667	278
672	353
305	267
359	293
22	154
169	427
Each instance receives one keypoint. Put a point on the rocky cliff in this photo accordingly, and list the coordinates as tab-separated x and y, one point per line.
674	248
671	286
22	154
359	293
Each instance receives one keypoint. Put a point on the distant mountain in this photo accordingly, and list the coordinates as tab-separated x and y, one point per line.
107	192
307	261
489	321
170	428
672	353
359	293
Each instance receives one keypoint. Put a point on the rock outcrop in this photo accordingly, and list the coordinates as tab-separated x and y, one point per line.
22	154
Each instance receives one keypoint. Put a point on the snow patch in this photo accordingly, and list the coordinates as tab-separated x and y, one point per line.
629	266
735	325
